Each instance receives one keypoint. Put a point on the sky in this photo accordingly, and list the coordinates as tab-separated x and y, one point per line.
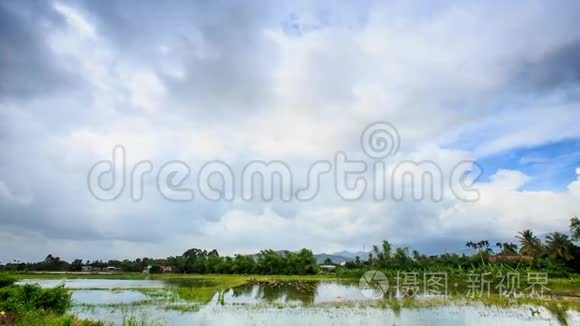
491	82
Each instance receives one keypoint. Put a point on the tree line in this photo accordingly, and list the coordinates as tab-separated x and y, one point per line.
193	260
556	254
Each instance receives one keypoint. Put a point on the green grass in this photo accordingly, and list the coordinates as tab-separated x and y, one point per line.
40	317
565	286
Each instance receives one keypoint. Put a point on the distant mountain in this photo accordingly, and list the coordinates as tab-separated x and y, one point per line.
352	255
336	259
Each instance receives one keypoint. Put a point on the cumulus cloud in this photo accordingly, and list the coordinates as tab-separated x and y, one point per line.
290	81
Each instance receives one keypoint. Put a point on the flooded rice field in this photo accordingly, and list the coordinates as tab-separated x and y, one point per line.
197	302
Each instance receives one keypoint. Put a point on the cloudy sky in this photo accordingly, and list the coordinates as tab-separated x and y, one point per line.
497	83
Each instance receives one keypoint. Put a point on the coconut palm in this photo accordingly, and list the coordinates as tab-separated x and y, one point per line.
529	243
558	246
507	248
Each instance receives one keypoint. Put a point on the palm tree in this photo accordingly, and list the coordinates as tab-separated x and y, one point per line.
482	246
558	246
507	248
529	244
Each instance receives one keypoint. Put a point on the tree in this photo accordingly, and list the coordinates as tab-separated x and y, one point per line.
76	265
370	259
155	269
269	262
379	257
307	261
558	246
52	263
195	260
401	258
387	247
482	246
507	248
575	228
529	244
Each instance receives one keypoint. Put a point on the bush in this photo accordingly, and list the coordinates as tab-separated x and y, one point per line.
555	268
6	280
25	298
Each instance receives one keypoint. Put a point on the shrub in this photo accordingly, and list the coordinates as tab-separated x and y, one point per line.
6	280
21	299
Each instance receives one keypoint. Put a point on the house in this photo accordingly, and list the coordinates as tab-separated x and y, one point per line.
112	269
163	269
327	268
86	268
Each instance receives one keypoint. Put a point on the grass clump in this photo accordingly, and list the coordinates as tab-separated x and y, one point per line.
45	318
135	321
558	309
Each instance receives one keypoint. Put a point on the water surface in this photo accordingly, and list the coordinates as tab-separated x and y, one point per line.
272	303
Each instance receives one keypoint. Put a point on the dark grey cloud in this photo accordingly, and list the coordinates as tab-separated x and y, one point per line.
560	68
27	65
225	56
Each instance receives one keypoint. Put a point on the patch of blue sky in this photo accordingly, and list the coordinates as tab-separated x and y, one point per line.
551	166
